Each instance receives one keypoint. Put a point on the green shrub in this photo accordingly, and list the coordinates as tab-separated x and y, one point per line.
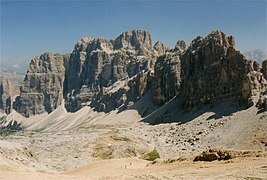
151	156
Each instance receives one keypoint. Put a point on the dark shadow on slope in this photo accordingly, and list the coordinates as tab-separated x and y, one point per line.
10	128
144	105
170	112
225	108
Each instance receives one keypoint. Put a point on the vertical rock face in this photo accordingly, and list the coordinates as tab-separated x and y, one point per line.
123	94
168	74
167	77
264	69
109	74
7	92
74	68
211	69
105	62
42	89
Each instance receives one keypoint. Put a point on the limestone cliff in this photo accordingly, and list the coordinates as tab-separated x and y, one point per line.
7	93
264	69
211	69
99	63
109	74
123	94
167	77
42	89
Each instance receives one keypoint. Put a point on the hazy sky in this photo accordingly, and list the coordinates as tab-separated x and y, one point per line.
29	28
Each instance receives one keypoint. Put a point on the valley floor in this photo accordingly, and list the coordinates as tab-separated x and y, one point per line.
240	168
87	145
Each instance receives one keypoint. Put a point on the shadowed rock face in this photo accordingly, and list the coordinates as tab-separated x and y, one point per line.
167	77
42	89
126	95
264	69
168	74
109	74
180	46
7	91
212	69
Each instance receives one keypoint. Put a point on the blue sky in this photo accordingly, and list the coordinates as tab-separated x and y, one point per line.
29	28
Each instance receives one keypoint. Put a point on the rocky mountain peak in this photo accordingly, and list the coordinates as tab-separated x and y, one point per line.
85	39
47	62
180	46
104	62
100	44
137	39
221	39
213	69
215	39
160	48
81	45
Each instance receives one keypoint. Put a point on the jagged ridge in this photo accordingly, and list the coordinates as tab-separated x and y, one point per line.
207	70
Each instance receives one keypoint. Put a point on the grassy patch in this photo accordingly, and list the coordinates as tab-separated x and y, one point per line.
102	151
151	156
119	138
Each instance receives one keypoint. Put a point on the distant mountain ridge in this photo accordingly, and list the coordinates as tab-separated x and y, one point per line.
16	78
256	55
115	74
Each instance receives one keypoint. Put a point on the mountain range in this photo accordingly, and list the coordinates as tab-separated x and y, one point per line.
109	74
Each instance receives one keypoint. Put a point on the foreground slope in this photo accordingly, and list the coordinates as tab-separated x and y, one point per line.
114	149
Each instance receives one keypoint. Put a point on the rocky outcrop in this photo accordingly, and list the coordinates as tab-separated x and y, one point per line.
108	74
262	103
167	77
42	89
104	62
123	94
212	69
74	68
180	46
254	84
7	92
139	41
264	69
160	48
168	74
